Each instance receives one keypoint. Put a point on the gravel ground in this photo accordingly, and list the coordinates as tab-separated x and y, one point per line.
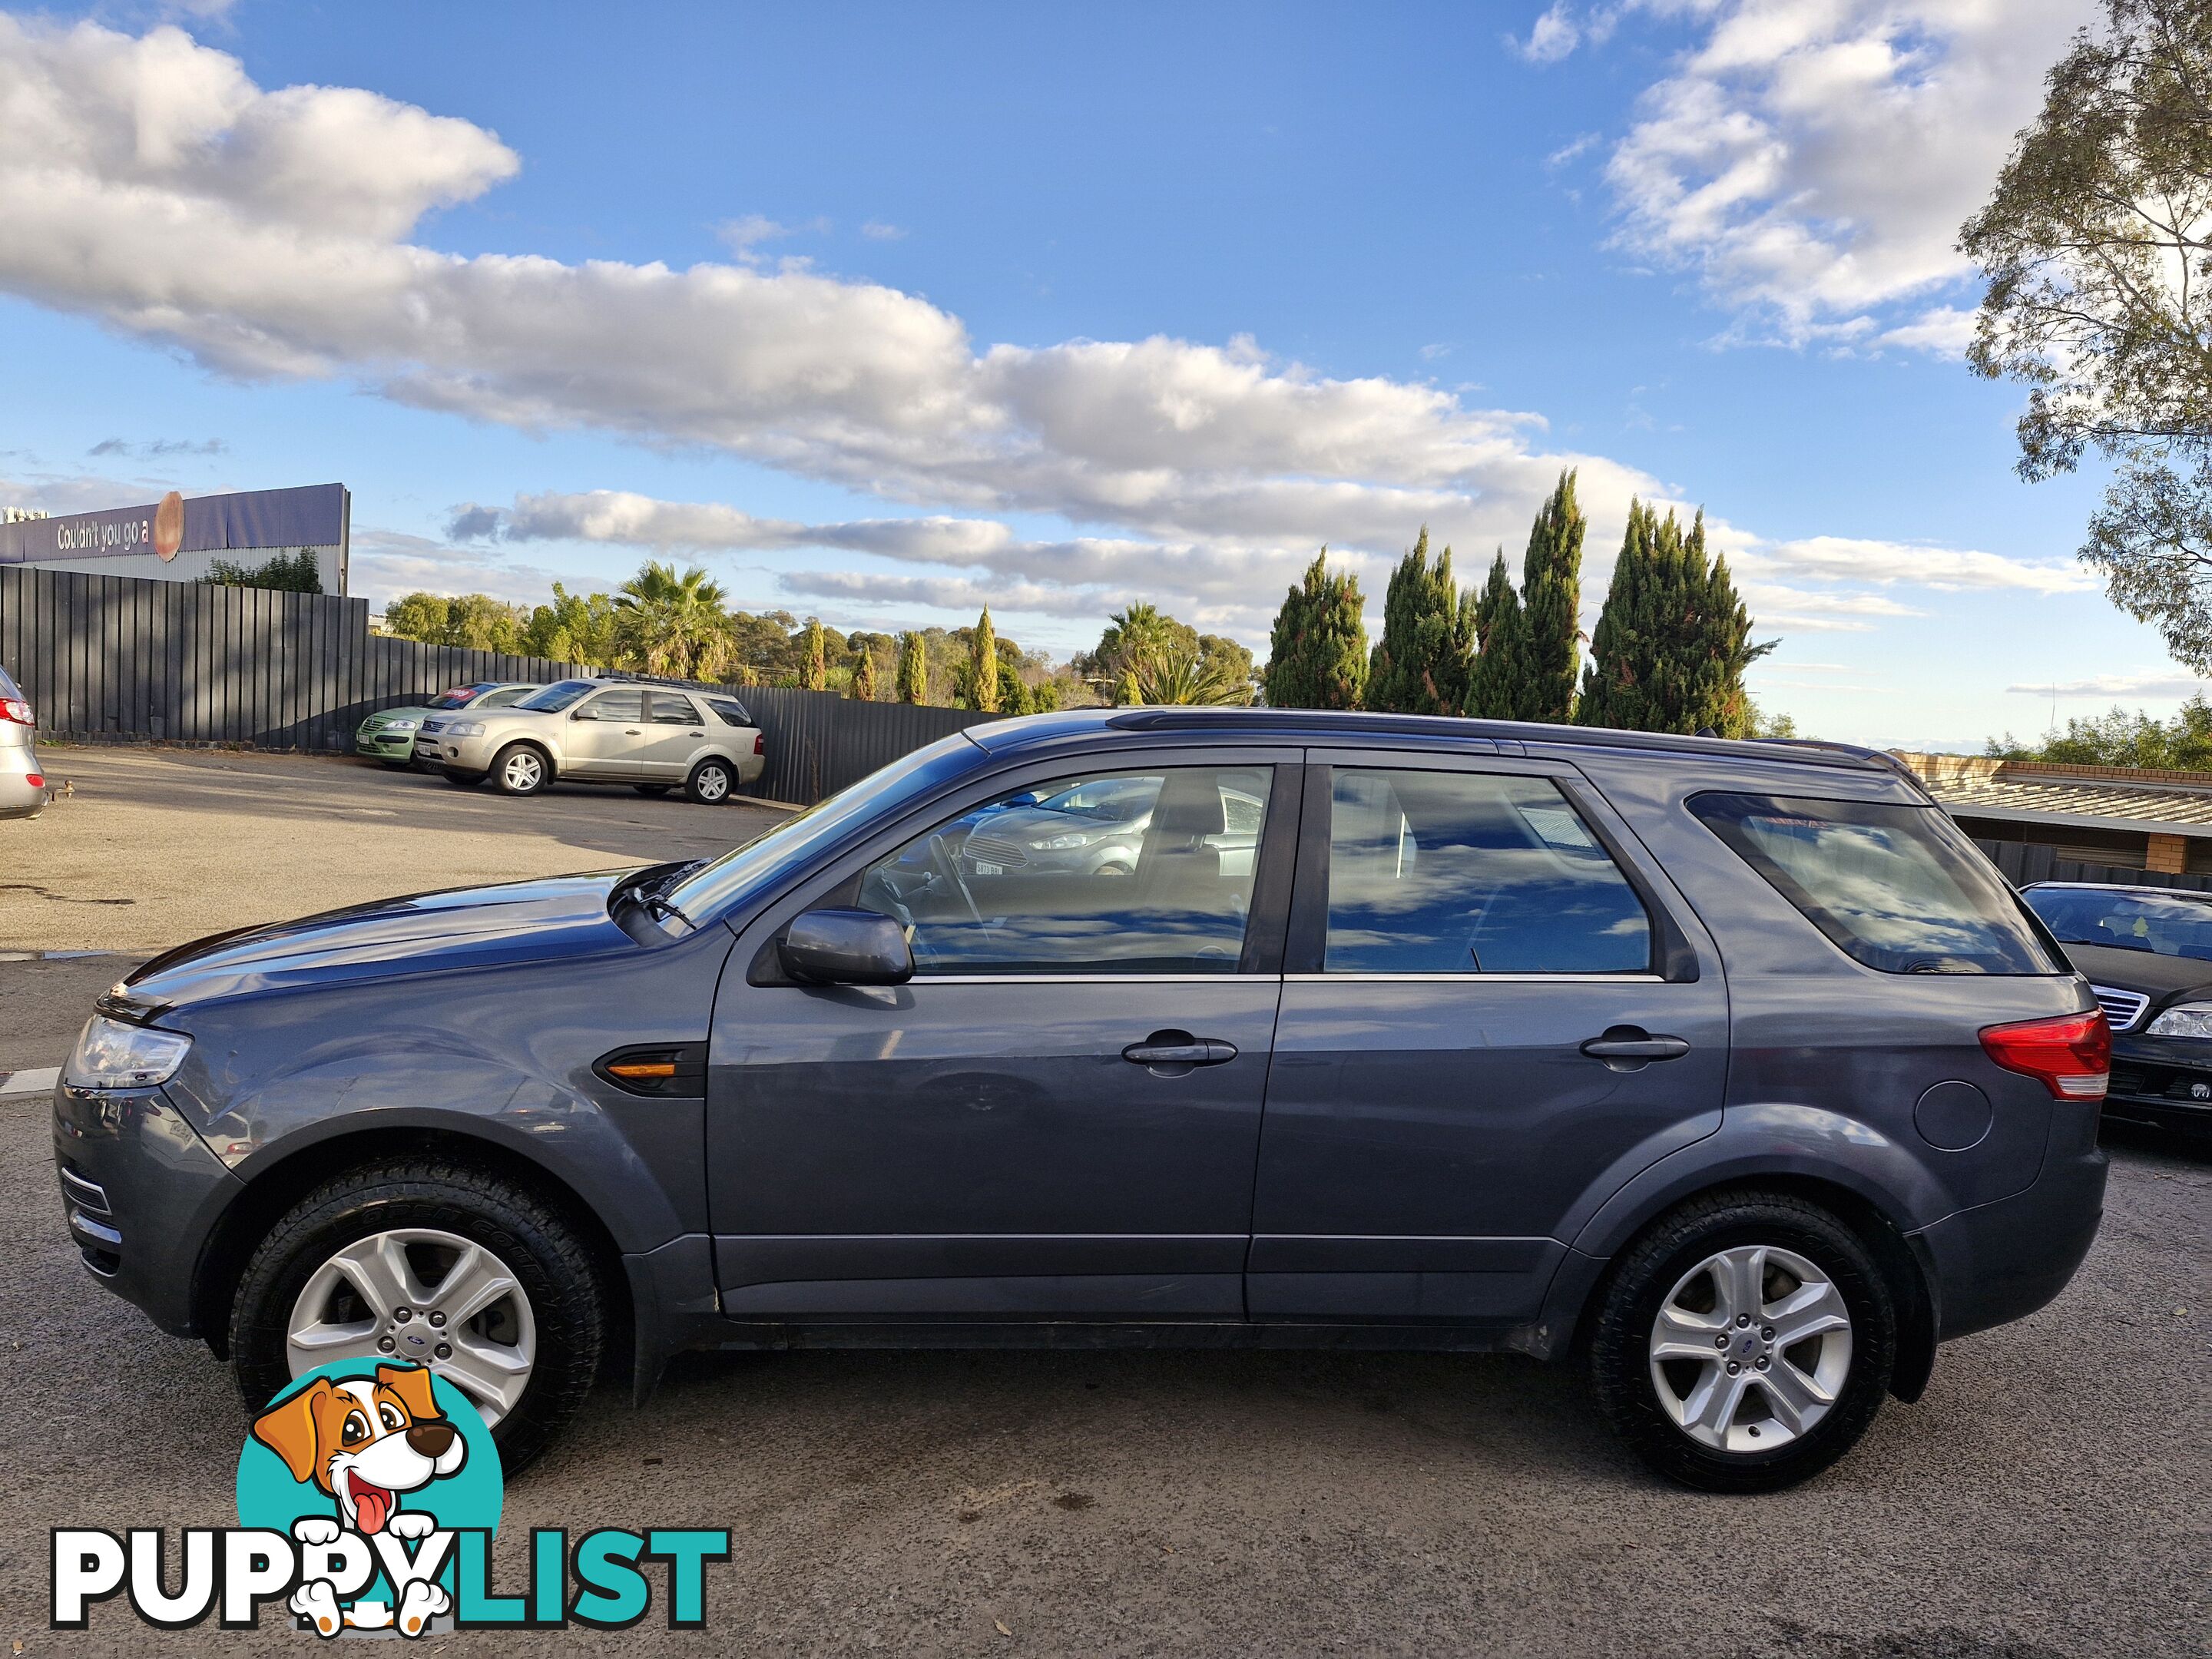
2049	1497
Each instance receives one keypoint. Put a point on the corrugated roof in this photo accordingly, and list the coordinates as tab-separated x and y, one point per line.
2181	811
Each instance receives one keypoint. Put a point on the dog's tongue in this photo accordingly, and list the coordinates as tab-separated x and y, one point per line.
371	1506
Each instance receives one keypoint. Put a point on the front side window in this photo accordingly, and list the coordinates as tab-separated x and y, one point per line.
1463	872
1898	888
1124	873
620	708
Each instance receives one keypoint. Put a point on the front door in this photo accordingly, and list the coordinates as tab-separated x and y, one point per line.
602	734
1490	1016
1058	1116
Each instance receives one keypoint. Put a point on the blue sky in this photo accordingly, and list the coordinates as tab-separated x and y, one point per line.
879	311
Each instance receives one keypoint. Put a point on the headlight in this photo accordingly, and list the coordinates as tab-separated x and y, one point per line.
1073	838
2191	1019
113	1056
399	726
464	729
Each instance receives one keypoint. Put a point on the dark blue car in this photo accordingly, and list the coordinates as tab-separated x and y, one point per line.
1730	1068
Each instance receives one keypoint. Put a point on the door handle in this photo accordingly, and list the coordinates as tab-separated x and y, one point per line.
1179	1049
631	731
1629	1047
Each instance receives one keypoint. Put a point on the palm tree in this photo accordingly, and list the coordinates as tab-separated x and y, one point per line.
677	625
1161	677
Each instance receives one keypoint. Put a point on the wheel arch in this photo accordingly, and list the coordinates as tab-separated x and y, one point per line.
280	1185
544	752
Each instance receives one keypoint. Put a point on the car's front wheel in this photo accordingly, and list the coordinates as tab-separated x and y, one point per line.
710	782
520	768
434	1260
1745	1343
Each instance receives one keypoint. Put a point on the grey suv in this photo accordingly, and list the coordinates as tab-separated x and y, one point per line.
1731	1068
23	786
654	738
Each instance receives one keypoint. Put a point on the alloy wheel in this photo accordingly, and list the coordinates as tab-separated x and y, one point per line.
1751	1349
712	783
524	771
419	1294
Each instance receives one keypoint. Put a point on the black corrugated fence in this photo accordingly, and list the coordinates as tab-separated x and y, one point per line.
116	658
2021	863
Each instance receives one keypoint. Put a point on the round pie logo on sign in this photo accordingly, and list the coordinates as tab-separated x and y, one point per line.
169	525
368	1465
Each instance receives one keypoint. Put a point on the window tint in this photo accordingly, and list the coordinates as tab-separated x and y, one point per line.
622	706
559	696
460	698
1460	872
667	708
1126	873
2123	920
1898	887
732	711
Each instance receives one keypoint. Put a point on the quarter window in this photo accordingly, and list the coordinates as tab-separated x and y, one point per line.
1898	888
1461	872
1113	874
733	712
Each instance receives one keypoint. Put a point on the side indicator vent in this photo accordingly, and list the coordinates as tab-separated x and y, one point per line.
662	1072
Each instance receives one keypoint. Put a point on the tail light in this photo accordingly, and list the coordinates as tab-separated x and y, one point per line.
15	709
2070	1056
760	743
36	780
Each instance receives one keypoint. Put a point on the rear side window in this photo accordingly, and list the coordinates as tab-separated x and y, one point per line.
1464	872
667	708
1898	888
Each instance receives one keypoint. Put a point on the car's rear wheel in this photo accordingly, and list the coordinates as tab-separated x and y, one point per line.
436	1262
653	788
520	768
1745	1343
710	782
463	779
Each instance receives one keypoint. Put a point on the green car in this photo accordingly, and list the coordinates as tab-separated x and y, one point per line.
388	735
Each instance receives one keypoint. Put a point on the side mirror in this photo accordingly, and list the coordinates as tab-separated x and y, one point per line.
847	947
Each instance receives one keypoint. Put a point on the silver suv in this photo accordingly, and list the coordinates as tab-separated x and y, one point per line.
22	788
653	738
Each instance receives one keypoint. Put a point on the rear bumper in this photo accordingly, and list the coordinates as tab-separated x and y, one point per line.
2001	1261
141	1192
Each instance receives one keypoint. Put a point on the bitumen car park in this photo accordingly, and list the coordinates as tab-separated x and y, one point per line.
1558	1043
1092	1499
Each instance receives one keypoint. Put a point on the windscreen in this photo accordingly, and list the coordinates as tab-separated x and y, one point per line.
2123	919
556	697
1898	888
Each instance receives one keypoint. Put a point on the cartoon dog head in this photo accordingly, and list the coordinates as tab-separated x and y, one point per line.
364	1442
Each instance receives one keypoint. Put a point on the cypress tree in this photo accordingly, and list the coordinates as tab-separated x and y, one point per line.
1550	602
1317	656
863	677
1673	639
814	658
912	679
1719	647
983	665
1630	642
1497	689
1420	664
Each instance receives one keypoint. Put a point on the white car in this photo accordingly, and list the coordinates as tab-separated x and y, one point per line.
653	738
23	786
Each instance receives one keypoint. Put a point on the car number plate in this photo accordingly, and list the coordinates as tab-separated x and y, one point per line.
983	869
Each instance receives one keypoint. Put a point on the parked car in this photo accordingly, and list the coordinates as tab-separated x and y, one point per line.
388	735
1731	1066
653	738
2147	953
22	784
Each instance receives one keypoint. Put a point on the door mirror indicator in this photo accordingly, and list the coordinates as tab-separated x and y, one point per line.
847	947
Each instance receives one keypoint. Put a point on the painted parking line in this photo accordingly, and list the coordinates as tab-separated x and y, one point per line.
37	1082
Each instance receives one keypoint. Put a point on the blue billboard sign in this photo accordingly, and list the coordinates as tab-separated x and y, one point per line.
312	515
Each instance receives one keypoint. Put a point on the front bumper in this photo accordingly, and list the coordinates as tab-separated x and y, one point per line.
457	754
141	1192
2166	1080
386	745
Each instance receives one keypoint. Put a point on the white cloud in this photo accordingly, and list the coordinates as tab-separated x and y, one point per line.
1561	27
1813	159
1857	559
877	230
387	563
2159	683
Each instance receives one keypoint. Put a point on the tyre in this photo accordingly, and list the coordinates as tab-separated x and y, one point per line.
653	789
1744	1343
520	768
436	1260
710	782
463	779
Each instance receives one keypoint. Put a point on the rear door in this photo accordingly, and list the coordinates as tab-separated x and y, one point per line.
1488	1011
673	736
